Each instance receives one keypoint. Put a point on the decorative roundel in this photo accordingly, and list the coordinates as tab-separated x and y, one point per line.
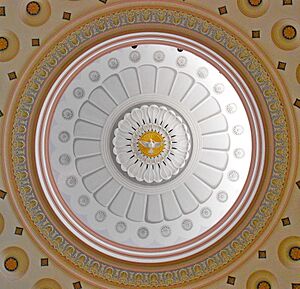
289	32
151	143
33	8
64	136
255	2
285	34
289	252
9	45
94	76
203	72
135	56
3	43
187	225
159	56
294	253
253	8
15	263
34	13
11	264
78	92
166	231
222	196
263	285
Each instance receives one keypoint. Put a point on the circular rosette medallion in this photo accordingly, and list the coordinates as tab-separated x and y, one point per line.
151	143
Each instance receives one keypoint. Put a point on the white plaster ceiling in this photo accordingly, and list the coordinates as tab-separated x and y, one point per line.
104	172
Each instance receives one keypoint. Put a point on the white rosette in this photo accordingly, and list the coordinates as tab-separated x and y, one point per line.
165	122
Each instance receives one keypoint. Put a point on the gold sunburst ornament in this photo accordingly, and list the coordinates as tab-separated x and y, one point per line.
11	264
289	32
295	253
151	144
3	43
255	2
33	8
263	285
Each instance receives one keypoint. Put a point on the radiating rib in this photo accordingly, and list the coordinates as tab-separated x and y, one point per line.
171	207
93	181
137	209
199	190
84	129
90	155
105	194
91	113
154	213
147	77
115	88
185	199
102	99
182	84
216	142
121	202
213	125
207	109
83	147
89	164
197	94
165	79
130	80
216	159
207	174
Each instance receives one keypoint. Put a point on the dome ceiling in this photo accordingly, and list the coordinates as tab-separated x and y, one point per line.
157	145
150	147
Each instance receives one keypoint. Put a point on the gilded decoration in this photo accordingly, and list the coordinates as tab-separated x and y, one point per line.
3	43
88	263
33	8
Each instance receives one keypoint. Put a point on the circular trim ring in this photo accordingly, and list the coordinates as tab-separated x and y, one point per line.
142	255
270	92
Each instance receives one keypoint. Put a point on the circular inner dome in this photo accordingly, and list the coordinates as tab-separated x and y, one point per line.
147	152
